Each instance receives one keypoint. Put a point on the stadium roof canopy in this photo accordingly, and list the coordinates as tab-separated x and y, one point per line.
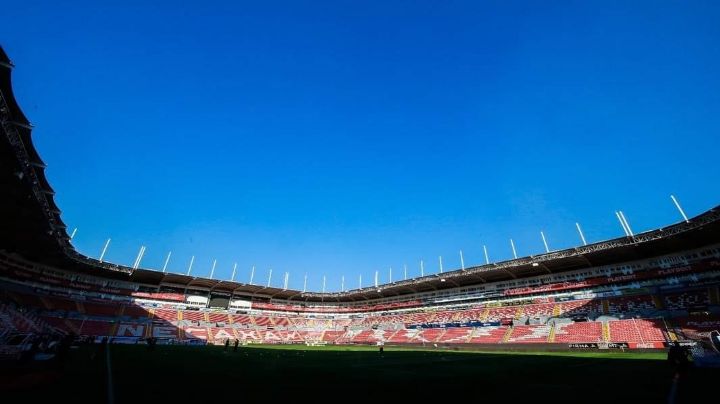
32	228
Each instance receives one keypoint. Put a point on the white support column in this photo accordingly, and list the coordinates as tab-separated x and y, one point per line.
622	215
232	278
462	261
166	261
487	259
102	254
252	274
617	214
212	271
142	254
582	236
136	264
192	259
547	249
675	201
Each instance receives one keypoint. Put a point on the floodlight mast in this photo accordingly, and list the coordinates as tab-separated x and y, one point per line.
675	201
547	249
192	259
167	260
102	254
582	236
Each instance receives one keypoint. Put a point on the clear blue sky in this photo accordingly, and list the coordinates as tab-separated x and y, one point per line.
341	138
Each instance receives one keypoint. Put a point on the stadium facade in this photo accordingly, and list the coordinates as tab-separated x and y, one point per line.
639	291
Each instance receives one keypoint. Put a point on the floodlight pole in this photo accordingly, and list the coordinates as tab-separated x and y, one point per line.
102	254
136	264
622	223
323	289
285	284
390	277
232	278
622	215
677	205
422	268
405	272
440	258
487	259
512	244
166	261
547	249
212	271
72	235
582	236
305	284
342	283
376	278
269	278
252	274
462	261
360	282
192	259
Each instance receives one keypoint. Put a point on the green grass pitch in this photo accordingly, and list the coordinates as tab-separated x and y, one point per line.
175	374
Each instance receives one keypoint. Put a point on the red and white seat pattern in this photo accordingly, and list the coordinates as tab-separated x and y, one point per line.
529	334
589	331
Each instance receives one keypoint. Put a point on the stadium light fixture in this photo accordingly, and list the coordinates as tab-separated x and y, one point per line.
442	279
212	271
140	255
166	261
102	254
622	215
675	201
617	214
582	236
547	249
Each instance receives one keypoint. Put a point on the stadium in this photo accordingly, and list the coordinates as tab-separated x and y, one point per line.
629	319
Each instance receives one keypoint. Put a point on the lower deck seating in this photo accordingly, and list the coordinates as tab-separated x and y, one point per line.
579	332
